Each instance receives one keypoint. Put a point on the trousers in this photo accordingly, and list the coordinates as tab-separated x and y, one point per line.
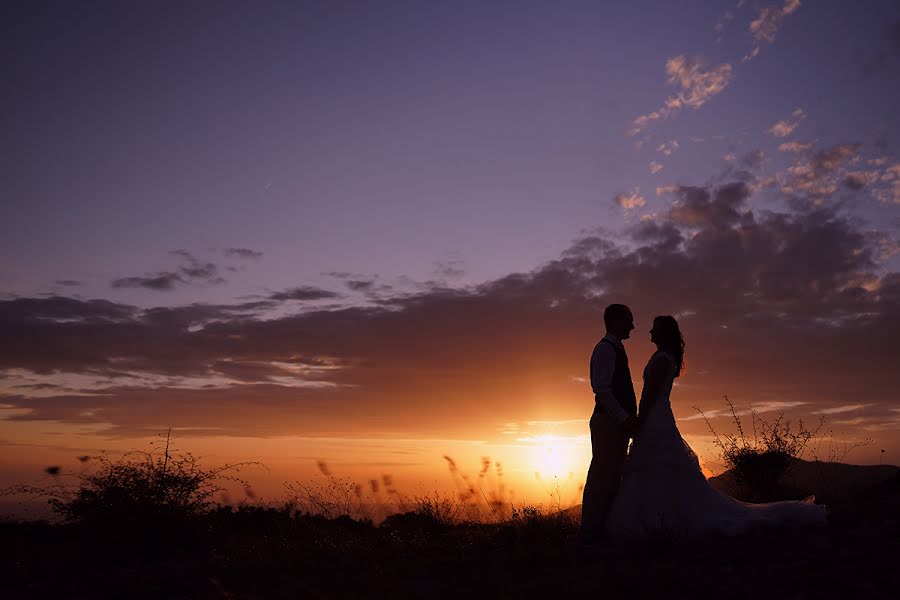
609	447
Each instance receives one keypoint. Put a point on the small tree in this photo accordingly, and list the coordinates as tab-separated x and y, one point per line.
759	463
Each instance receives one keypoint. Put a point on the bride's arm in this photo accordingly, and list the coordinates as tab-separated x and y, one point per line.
653	382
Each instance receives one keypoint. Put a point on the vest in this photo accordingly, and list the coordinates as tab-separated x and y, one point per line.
622	388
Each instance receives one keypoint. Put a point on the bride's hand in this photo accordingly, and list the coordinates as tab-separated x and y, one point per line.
631	426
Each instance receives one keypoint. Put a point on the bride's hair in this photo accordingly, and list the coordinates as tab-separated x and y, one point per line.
670	339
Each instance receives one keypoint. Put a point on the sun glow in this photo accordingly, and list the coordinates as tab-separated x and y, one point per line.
553	456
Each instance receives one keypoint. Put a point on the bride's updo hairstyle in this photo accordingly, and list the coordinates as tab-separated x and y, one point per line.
670	339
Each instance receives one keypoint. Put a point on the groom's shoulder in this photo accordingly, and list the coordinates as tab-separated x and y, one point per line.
604	346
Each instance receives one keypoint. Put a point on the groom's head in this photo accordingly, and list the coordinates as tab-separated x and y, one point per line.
618	320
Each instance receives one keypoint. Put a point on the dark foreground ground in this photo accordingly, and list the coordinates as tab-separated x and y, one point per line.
269	553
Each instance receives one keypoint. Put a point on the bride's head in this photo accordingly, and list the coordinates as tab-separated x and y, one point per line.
667	337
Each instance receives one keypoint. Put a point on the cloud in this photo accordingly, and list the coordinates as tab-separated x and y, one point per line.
889	191
786	127
207	272
655	167
242	253
697	86
836	410
304	293
192	271
67	282
667	148
796	147
662	190
629	201
857	180
768	299
698	207
767	23
450	269
719	27
62	309
159	282
753	159
812	178
759	408
360	285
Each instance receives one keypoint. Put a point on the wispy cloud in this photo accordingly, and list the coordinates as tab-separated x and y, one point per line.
668	148
719	27
836	410
759	408
629	201
765	27
697	86
192	271
303	293
246	253
796	147
159	281
786	127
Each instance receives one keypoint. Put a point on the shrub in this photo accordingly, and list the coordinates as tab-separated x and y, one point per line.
759	463
141	490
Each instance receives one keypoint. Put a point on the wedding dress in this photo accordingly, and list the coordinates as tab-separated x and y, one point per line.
664	491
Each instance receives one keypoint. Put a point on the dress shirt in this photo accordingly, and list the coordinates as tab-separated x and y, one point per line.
603	363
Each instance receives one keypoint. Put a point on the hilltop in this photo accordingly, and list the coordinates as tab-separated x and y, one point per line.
276	552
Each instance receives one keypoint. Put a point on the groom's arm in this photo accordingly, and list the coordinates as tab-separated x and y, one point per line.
603	363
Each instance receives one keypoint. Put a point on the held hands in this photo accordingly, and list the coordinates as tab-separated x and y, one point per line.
630	426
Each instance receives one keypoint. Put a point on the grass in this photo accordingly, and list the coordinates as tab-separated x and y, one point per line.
326	541
274	552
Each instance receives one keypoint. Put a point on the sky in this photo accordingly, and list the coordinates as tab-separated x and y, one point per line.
375	235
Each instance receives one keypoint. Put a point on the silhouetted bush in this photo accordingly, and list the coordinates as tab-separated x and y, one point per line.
154	492
759	463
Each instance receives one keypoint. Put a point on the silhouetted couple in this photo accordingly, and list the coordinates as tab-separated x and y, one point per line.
657	487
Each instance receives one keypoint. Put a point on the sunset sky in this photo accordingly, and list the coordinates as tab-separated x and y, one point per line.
377	233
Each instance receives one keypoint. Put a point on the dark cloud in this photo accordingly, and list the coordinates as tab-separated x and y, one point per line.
776	306
855	181
192	272
360	285
304	293
815	177
242	253
355	282
196	270
60	308
698	207
160	281
67	282
753	159
830	159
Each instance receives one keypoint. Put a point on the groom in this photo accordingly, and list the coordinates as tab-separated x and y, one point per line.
613	422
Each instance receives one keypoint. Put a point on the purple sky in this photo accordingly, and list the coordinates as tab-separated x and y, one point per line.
401	159
383	138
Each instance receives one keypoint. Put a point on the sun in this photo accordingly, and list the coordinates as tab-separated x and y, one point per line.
553	456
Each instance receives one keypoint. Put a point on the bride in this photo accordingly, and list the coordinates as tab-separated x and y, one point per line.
663	489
